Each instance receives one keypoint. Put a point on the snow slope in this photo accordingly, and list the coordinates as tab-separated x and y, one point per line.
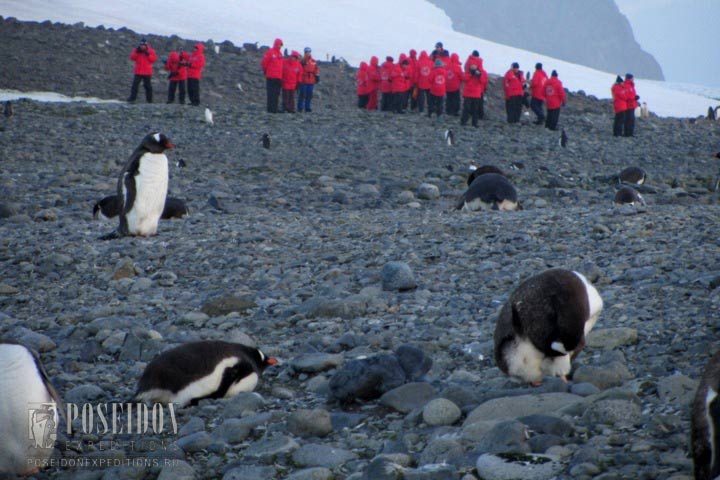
353	30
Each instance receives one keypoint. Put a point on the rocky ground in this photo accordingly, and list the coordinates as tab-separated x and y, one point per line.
295	262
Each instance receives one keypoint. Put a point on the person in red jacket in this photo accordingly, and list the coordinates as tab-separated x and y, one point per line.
424	70
632	103
400	75
537	93
195	66
513	88
619	106
361	81
144	56
373	80
413	92
438	79
452	86
272	66
441	54
292	73
175	64
554	98
476	79
386	78
310	76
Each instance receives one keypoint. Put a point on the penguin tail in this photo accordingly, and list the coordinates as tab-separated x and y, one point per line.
111	236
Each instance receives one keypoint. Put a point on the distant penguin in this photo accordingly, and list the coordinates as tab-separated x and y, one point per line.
563	139
181	163
711	113
174	208
644	112
208	116
217	49
543	325
477	171
142	188
266	140
628	195
28	410
109	208
449	137
198	370
490	191
705	423
634	175
239	86
8	109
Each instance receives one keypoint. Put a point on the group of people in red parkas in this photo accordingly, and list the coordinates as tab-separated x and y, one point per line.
625	101
543	91
183	69
286	74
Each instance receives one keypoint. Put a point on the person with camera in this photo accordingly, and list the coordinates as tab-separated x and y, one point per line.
144	56
195	65
475	79
176	65
513	88
272	66
554	99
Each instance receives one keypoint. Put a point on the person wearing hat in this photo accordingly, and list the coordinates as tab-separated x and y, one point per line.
619	106
292	73
144	56
513	89
386	88
476	79
440	53
632	103
454	81
195	65
537	93
555	98
272	65
438	78
424	69
310	76
176	65
373	83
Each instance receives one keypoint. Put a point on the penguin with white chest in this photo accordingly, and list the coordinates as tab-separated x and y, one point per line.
543	325
142	188
705	423
109	207
198	370
28	410
489	191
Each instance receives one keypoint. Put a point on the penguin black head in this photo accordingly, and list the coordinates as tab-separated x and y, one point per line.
156	143
483	170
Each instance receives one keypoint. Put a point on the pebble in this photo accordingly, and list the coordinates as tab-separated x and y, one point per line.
428	191
178	470
441	411
520	406
316	362
611	338
408	397
397	276
367	379
309	423
319	455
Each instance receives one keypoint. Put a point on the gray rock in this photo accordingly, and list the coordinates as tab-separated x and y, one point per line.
383	468
83	394
316	362
315	473
342	420
179	470
621	413
518	466
318	307
405	197
193	425
548	424
266	449
408	397
227	304
319	455
414	361
37	341
194	442
397	276
250	472
521	406
678	390
603	377
428	191
584	389
242	404
441	411
510	436
6	289
232	430
441	450
436	471
309	423
367	379
610	338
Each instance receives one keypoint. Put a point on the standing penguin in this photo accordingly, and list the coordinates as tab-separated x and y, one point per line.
142	188
705	423
266	140
489	191
28	410
199	370
8	109
544	323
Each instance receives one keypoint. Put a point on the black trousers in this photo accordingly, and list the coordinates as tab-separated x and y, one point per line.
363	100
422	96
176	85
401	101
471	109
452	105
551	121
629	126
435	105
618	124
513	108
193	88
387	102
536	105
274	86
288	97
145	79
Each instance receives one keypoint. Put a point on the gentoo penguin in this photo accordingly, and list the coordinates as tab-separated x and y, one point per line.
142	188
563	139
208	116
449	137
109	208
8	109
490	191
477	171
634	175
543	325
644	112
28	410
181	163
266	140
199	370
628	195
705	423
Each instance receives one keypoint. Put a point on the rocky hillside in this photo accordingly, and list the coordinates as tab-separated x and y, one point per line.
587	32
293	249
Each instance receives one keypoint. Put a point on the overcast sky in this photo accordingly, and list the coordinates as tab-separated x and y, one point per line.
682	35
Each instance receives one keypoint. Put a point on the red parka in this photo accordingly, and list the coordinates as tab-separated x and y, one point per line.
144	59
619	97
401	75
310	69
472	59
386	76
292	71
554	93
512	85
537	84
425	68
361	79
630	94
196	62
454	74
178	72
438	79
474	84
272	61
373	75
414	67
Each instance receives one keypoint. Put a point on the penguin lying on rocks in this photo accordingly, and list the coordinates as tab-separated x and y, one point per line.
198	370
628	195
634	175
543	325
489	191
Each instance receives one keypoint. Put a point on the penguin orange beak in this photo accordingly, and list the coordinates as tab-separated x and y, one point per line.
272	361
169	145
